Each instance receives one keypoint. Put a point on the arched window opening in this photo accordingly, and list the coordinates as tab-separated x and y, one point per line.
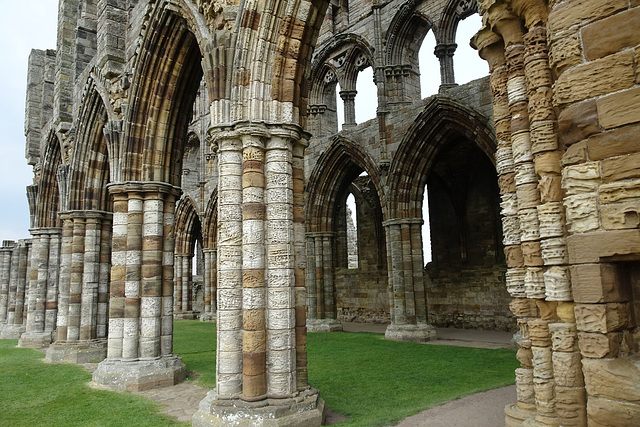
467	63
429	67
367	97
426	229
352	232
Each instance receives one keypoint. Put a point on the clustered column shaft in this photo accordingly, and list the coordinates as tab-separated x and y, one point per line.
141	301
408	309
84	283
43	295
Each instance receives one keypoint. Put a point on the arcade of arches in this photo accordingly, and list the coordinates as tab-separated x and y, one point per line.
188	164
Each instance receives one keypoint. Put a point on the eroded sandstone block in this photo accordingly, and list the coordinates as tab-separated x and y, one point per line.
602	317
564	337
567	369
597	346
616	379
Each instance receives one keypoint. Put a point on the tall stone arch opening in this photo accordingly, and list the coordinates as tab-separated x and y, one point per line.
336	292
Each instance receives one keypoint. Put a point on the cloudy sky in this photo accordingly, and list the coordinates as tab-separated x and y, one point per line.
29	24
24	25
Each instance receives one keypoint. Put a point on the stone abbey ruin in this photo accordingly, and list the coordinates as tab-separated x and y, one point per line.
188	162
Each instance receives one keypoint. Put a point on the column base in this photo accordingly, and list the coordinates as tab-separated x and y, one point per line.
208	317
35	339
12	332
139	374
305	409
324	325
78	352
516	416
422	332
186	315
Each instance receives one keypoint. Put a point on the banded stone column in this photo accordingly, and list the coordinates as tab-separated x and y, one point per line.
261	369
408	304
80	336
322	315
177	288
16	319
43	288
492	48
5	271
210	280
140	344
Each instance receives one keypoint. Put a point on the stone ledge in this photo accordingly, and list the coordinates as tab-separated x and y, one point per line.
305	409
77	352
11	332
139	374
324	325
421	332
35	340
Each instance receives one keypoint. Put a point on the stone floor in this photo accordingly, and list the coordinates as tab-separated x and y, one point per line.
486	409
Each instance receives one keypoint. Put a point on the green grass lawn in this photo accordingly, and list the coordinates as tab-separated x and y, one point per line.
35	393
372	381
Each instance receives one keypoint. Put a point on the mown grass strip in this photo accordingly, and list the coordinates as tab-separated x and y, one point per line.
36	393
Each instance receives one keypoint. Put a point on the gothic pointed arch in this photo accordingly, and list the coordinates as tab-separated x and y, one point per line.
89	174
405	34
164	87
271	72
47	204
209	230
455	11
441	121
334	172
188	226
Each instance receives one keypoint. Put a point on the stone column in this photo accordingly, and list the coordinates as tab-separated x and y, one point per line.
210	280
140	345
349	99
322	314
15	326
444	52
80	336
261	369
43	288
177	286
406	281
5	271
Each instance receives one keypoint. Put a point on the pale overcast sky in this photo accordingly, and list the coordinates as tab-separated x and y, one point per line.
24	25
29	24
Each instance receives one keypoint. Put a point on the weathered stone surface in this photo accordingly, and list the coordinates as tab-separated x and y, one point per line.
542	362
571	403
603	412
582	178
557	284
620	168
615	379
567	369
574	12
564	337
595	283
614	143
599	346
539	333
590	247
564	52
621	216
620	191
523	307
582	212
576	153
602	318
603	37
599	77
